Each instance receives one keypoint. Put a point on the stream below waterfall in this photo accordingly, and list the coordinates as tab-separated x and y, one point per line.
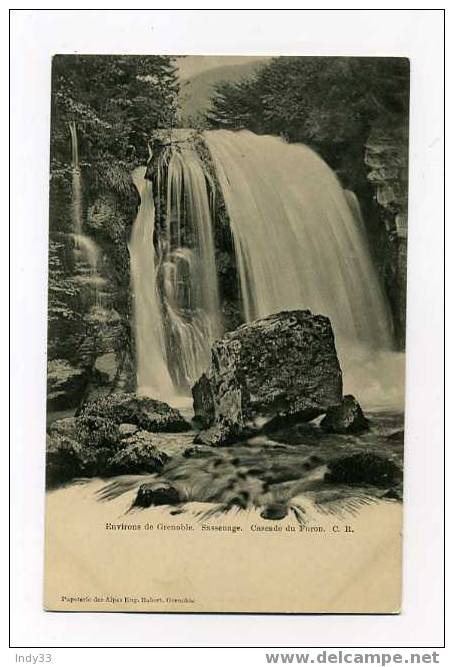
285	469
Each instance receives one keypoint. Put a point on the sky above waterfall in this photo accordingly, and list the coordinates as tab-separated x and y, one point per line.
200	74
189	66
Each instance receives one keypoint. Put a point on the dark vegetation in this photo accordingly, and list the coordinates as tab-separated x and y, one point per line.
115	102
331	104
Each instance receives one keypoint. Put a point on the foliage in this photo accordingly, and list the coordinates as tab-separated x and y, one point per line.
329	103
115	101
63	292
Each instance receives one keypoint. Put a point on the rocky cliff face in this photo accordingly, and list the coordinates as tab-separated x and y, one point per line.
90	343
386	159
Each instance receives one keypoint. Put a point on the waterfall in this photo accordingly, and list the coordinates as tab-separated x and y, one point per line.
76	203
190	287
299	241
177	310
153	377
86	252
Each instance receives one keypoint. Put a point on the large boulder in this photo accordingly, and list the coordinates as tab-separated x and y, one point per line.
146	413
80	447
89	445
347	417
279	369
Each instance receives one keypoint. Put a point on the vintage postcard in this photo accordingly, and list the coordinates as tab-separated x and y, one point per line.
227	287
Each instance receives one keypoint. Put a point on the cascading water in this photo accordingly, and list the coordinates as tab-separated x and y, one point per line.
296	241
177	310
86	252
76	202
299	243
153	377
190	287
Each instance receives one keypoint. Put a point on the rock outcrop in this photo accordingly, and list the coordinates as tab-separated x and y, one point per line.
140	455
114	435
65	460
156	493
98	451
65	384
363	469
146	413
90	343
281	368
347	417
386	159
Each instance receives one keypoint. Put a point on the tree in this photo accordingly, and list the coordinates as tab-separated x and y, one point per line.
115	101
329	103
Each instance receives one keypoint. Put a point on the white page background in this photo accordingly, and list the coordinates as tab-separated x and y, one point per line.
36	35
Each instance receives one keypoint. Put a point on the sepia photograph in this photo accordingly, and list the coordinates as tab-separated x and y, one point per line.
227	336
227	281
226	315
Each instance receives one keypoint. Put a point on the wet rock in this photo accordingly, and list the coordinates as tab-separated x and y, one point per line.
66	384
146	413
97	432
363	469
275	370
141	438
64	459
156	493
86	271
94	446
80	447
84	452
127	429
394	493
274	511
137	457
198	452
296	434
204	407
386	158
224	433
107	364
347	417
